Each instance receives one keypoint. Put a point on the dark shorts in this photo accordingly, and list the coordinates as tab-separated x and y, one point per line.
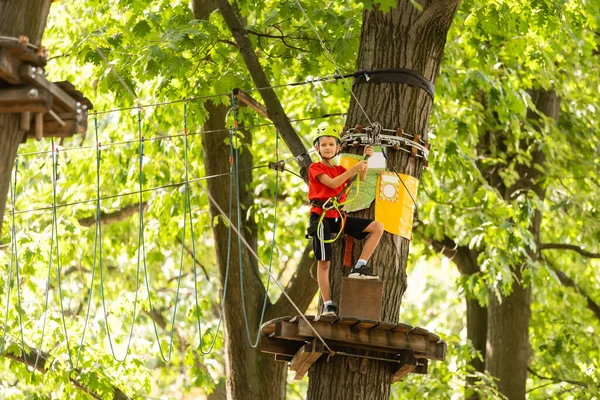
330	227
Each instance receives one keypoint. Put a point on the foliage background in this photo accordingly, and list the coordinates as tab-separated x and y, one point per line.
496	52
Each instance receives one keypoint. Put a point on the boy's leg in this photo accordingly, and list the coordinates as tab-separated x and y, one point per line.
361	228
323	254
375	231
323	279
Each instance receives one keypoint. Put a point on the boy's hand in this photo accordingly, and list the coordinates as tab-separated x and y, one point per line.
368	151
359	166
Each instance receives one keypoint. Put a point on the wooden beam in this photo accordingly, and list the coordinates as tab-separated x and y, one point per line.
36	77
279	346
407	365
372	338
289	331
9	67
250	102
26	121
39	126
24	99
305	357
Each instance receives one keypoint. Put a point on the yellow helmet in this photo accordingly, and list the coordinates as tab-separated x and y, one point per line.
325	130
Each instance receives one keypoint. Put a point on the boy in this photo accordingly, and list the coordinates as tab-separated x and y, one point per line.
326	180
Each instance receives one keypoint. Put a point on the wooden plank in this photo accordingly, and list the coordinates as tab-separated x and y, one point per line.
9	67
385	326
289	331
347	321
74	93
299	317
279	346
314	351
436	351
363	337
419	331
269	327
366	324
361	298
250	102
327	318
24	99
402	328
433	337
33	75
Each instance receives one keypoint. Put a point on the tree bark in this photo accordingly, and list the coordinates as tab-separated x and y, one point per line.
250	373
508	348
17	18
402	38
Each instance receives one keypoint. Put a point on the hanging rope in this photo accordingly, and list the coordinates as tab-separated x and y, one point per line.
228	262
137	275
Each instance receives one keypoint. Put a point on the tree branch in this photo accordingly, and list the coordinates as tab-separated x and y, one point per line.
280	37
464	258
198	263
232	18
563	246
556	380
568	282
115	216
41	367
301	288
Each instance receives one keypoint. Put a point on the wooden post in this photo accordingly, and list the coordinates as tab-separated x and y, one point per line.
26	121
39	126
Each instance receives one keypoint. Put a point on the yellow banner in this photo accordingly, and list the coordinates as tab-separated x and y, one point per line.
394	207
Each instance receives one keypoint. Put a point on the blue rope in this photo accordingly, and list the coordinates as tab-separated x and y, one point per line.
239	224
137	276
228	263
55	243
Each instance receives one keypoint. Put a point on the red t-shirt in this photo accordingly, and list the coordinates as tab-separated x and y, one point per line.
320	191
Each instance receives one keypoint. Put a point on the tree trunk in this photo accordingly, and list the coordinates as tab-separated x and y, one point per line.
508	348
402	38
17	17
250	373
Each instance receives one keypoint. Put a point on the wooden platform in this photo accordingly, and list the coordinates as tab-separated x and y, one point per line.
47	109
409	347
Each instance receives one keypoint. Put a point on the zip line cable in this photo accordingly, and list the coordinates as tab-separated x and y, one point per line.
162	137
148	190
